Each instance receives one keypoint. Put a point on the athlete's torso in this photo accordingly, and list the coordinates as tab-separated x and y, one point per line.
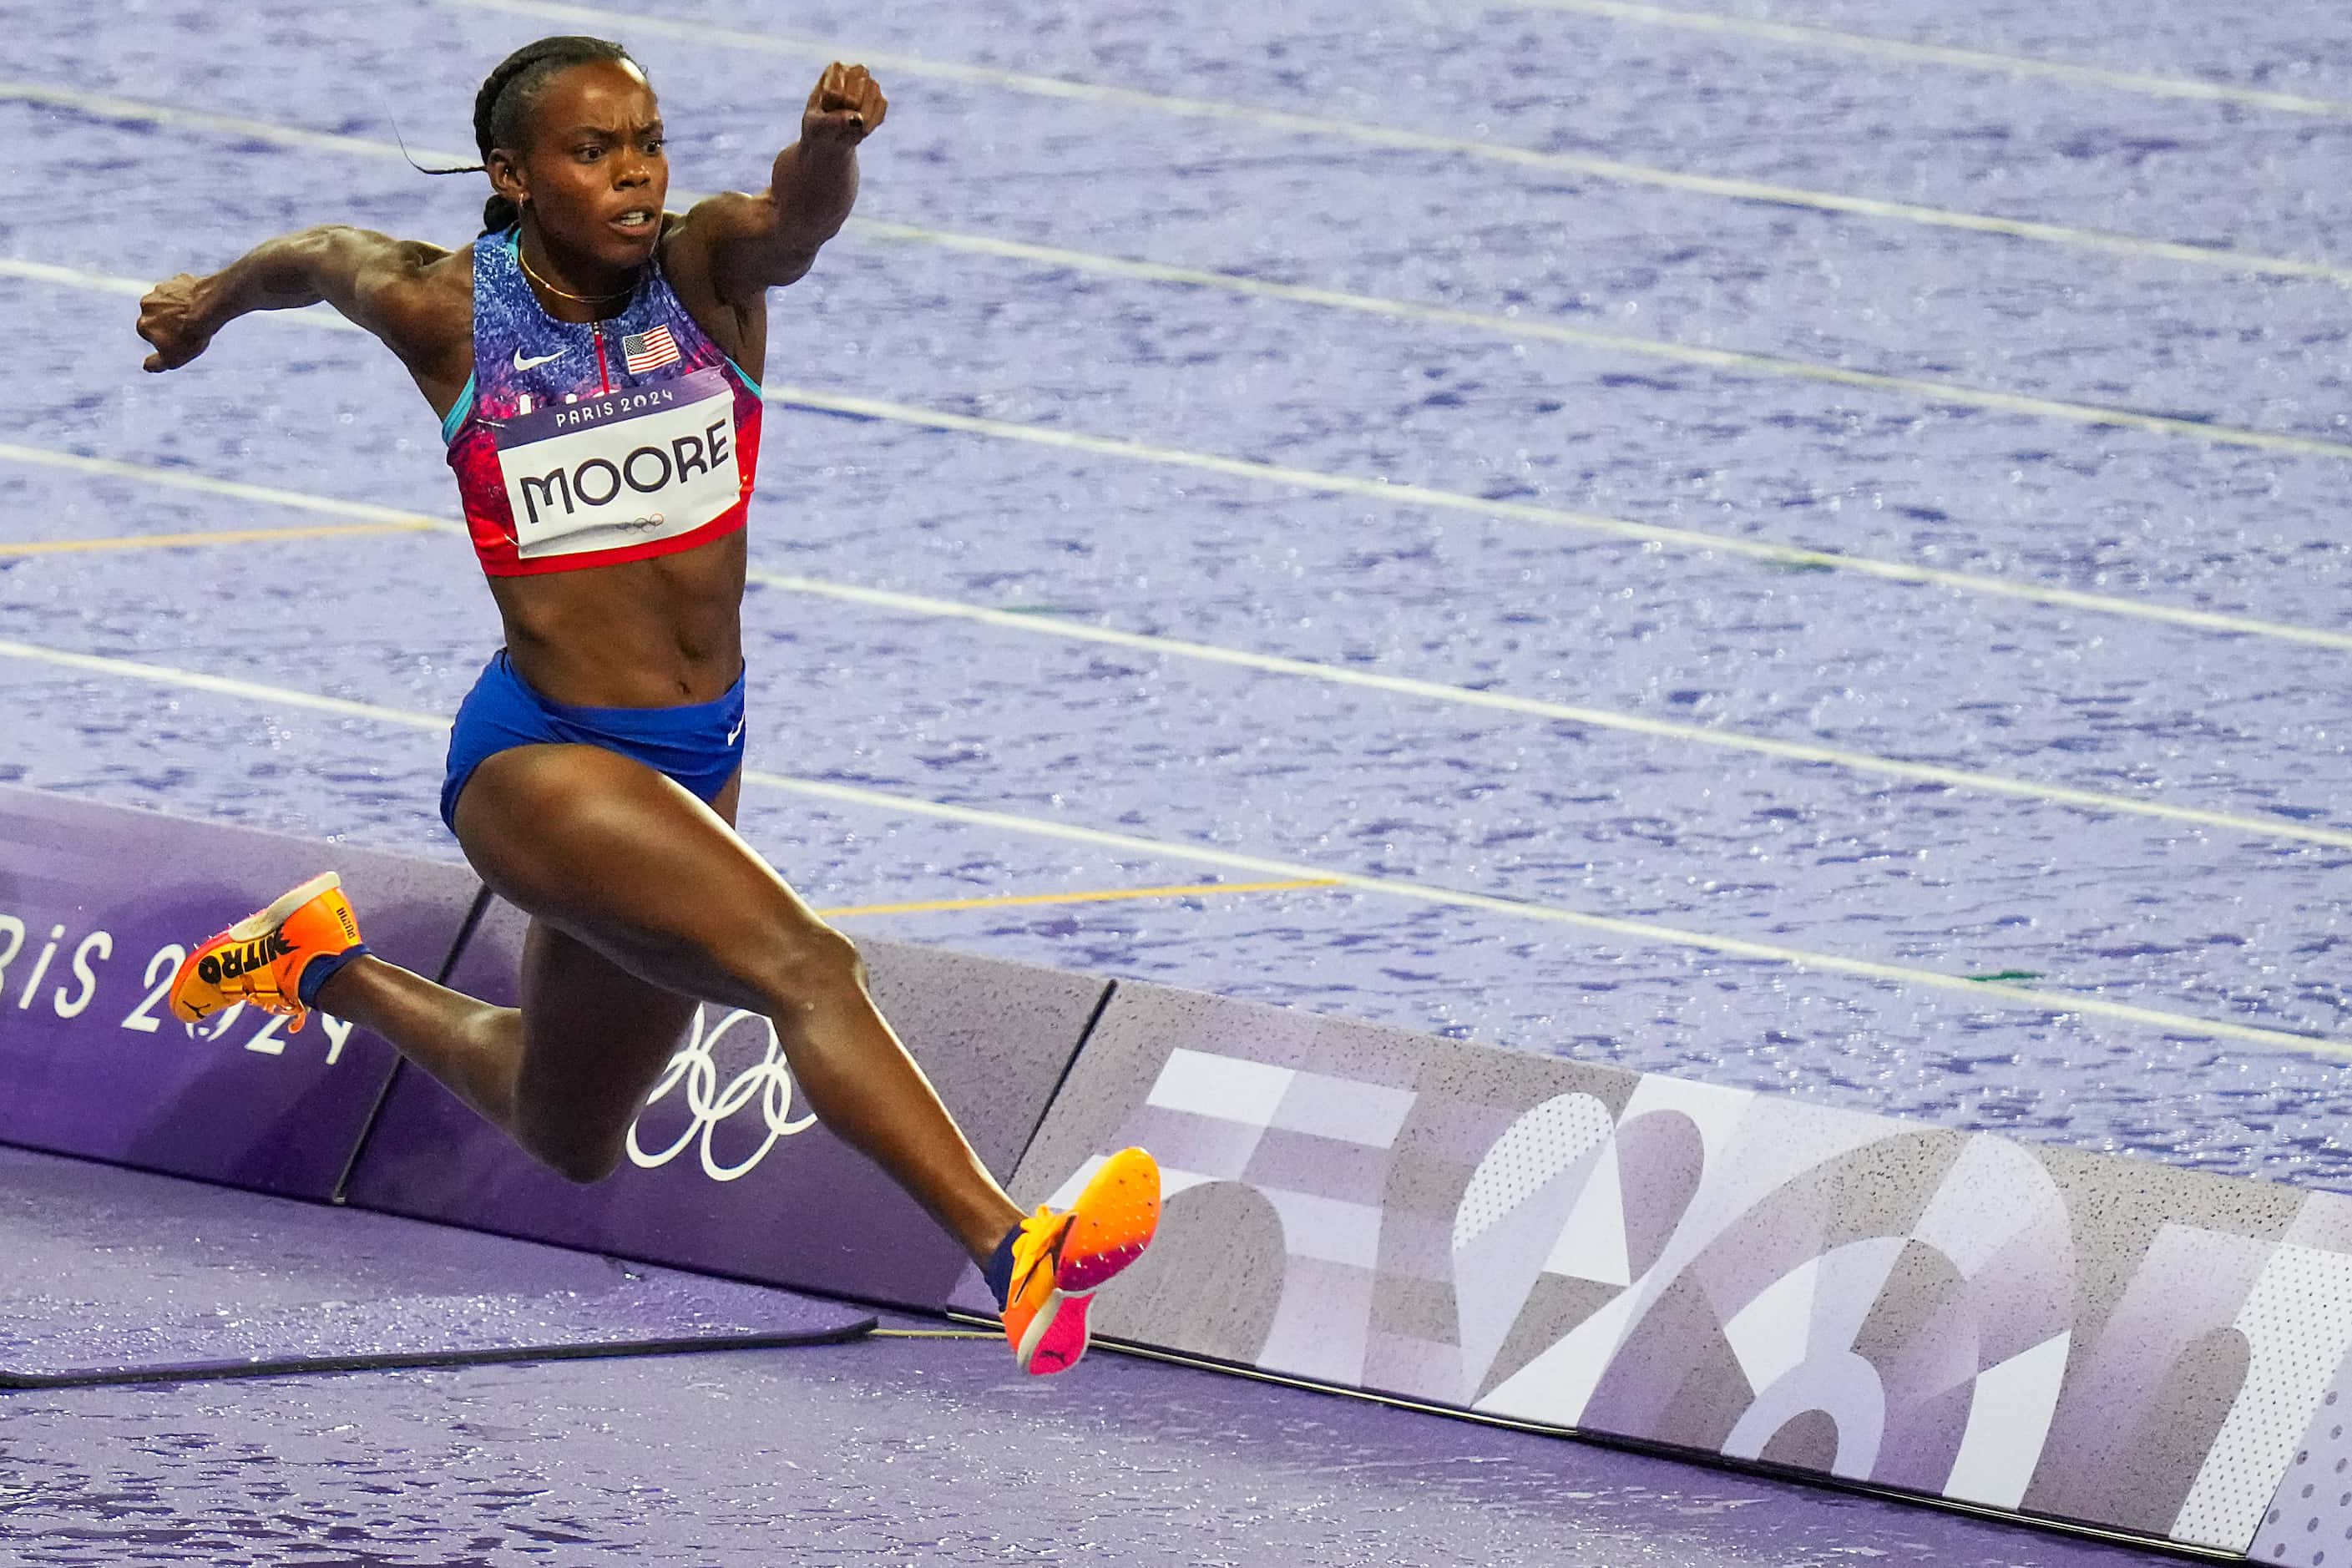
582	444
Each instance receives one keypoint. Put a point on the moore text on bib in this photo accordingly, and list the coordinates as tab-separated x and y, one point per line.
621	467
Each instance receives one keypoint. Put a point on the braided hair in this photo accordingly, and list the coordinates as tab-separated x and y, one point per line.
502	108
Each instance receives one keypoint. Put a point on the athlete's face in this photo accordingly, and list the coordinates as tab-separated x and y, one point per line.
594	173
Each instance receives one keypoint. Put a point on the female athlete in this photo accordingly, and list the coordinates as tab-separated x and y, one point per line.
595	361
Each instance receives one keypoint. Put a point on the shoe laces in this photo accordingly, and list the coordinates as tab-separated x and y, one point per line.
1039	1234
284	1003
258	989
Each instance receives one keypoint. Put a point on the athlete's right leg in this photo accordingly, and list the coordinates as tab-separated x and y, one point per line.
558	1072
564	1073
575	1060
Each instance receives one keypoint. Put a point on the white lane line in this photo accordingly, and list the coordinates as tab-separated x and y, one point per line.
1735	361
1641	931
1645	932
85	281
1260	118
1274	664
220	685
233	489
1388	494
1598	718
110	106
1406	495
2027	66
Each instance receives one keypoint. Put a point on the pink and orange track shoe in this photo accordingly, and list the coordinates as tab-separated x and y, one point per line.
1059	1260
259	961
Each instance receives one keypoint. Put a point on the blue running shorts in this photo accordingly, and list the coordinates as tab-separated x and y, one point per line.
700	746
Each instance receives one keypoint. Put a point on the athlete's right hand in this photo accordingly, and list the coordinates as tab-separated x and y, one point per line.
173	318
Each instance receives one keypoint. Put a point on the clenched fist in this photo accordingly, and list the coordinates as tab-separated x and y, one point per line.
845	109
173	318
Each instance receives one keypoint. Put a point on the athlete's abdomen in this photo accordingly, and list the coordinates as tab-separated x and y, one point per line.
638	634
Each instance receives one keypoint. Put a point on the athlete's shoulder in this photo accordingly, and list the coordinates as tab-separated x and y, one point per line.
717	215
422	266
689	248
418	298
691	240
396	275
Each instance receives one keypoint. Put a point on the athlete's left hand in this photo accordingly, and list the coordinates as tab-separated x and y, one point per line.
845	110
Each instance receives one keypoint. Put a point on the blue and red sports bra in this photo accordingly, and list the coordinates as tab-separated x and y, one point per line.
583	444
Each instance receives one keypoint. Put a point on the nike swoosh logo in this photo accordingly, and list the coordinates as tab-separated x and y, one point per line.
736	733
523	363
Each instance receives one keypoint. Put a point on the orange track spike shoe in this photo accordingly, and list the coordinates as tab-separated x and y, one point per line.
1059	1260
259	961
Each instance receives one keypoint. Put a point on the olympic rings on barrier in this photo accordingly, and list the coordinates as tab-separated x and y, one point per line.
769	1081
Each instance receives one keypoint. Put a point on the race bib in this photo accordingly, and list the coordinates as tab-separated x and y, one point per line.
621	467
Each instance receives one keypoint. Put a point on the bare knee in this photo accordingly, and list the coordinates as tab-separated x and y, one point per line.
579	1154
812	965
583	1165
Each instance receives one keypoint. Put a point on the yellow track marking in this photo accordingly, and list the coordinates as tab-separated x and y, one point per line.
1638	933
1274	664
1130	451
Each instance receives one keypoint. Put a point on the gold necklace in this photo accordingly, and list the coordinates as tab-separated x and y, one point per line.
566	293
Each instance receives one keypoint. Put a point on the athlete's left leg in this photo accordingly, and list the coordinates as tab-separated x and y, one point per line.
564	1073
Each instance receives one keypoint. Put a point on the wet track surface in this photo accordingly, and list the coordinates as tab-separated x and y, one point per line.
1498	573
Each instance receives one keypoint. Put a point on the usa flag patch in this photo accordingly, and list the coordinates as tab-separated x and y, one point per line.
642	351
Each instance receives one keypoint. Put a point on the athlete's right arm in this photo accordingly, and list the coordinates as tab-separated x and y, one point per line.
394	288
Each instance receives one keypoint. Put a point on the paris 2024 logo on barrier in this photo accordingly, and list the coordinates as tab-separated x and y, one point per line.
75	978
766	1082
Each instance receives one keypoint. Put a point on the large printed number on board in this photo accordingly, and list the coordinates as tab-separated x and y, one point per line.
158	979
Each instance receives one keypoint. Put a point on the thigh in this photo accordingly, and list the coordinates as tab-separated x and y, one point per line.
594	1037
629	865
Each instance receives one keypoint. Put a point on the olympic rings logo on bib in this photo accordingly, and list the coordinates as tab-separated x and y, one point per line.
768	1081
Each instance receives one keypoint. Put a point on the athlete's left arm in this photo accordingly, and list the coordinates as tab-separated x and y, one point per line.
746	245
